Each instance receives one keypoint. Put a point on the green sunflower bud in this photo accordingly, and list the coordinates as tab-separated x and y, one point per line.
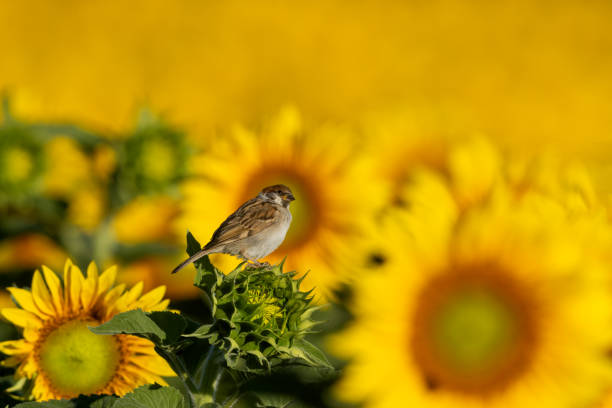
152	159
21	164
260	315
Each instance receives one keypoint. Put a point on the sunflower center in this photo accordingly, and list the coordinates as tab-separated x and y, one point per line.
77	361
268	305
304	210
473	332
18	165
158	161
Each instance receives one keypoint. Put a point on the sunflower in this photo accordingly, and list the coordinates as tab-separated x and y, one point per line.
28	250
68	167
404	143
152	159
22	163
333	184
60	354
146	219
502	304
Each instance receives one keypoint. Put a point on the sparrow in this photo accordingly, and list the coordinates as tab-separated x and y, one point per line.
254	230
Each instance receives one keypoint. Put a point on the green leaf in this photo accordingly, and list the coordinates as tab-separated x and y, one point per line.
151	397
104	402
201	332
132	322
47	404
193	245
173	324
308	352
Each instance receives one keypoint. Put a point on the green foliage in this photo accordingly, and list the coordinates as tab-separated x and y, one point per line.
151	396
260	316
48	404
258	320
255	320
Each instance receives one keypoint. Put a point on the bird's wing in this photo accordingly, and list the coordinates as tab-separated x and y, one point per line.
251	218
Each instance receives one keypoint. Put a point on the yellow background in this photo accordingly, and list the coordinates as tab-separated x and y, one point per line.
529	73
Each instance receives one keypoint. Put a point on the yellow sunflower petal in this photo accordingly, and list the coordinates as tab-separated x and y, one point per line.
151	299
154	364
29	367
11	347
108	303
31	334
126	301
20	317
55	288
25	301
90	286
41	295
11	361
161	305
73	281
107	279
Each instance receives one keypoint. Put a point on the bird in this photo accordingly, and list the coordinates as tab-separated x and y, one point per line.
254	230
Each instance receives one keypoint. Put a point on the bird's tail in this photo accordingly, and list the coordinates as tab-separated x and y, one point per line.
192	258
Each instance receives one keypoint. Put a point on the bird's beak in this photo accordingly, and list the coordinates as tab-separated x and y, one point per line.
289	197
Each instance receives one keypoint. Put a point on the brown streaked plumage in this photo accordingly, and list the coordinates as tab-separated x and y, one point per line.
254	230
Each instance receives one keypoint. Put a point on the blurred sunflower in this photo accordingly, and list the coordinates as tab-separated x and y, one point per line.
68	167
502	304
22	163
406	141
104	161
150	160
333	184
87	207
146	219
58	351
29	250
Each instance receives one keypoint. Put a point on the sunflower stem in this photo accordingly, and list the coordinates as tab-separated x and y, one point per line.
203	368
179	368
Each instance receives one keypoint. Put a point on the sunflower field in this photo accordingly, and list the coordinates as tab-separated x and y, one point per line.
451	235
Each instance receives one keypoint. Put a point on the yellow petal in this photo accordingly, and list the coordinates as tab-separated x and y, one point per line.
163	305
25	301
31	334
107	279
20	317
55	288
151	299
135	370
126	301
11	347
90	286
12	361
73	280
41	295
110	298
154	364
29	368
